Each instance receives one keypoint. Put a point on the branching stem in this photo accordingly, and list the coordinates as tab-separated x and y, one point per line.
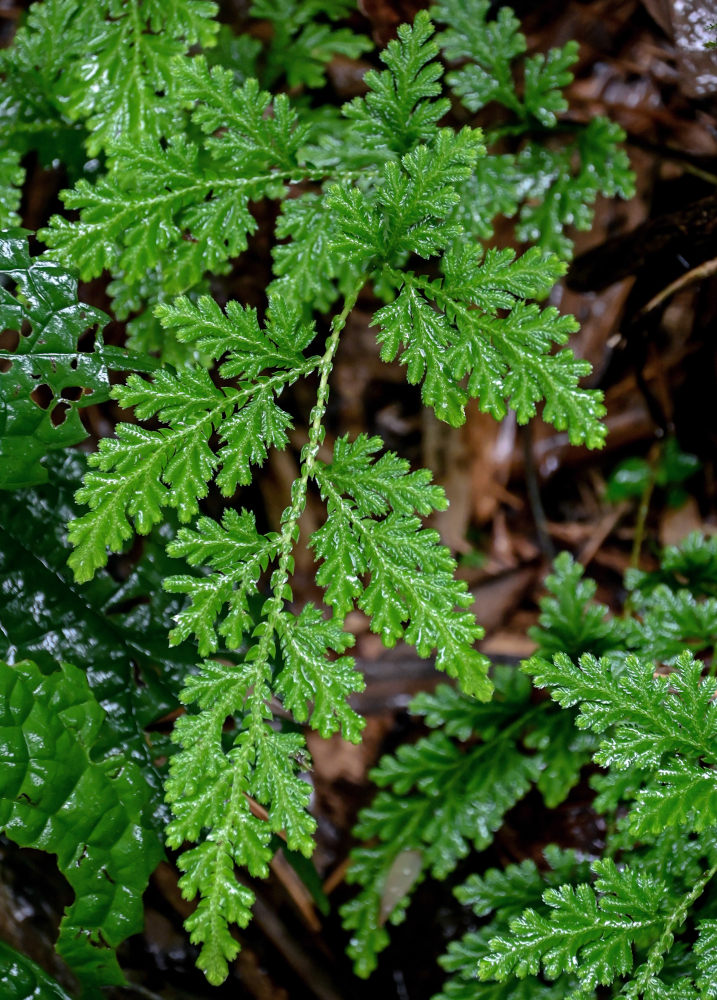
258	665
273	608
655	958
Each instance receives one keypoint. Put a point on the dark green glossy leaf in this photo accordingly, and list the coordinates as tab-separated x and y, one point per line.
38	301
116	633
628	479
22	979
58	795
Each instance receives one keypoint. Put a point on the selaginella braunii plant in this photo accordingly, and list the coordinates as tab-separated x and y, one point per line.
163	123
626	693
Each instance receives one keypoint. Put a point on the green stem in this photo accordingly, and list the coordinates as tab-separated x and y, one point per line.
644	508
259	665
654	962
279	583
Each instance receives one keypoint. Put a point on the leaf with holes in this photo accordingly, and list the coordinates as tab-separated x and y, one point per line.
47	362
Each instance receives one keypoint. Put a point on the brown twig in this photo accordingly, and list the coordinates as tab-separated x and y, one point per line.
705	270
605	525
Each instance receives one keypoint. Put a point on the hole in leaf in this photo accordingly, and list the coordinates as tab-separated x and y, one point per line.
137	674
73	364
73	392
59	414
88	339
9	339
5	365
25	328
42	395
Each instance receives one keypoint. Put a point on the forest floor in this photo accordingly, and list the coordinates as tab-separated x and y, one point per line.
644	287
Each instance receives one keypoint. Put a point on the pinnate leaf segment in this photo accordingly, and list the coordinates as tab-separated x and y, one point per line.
375	195
467	333
640	921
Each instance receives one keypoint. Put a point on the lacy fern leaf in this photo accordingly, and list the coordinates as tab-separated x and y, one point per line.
650	719
99	72
399	111
158	196
440	797
371	198
411	574
303	43
549	187
625	930
593	929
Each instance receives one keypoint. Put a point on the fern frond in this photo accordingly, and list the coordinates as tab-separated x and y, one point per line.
143	35
490	45
412	592
511	889
377	192
126	49
160	198
558	194
506	358
438	798
691	565
309	679
570	621
399	110
588	930
654	715
706	951
673	621
504	894
141	471
309	267
554	187
237	554
301	44
12	175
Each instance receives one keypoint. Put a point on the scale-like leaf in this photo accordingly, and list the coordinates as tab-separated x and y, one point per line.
590	930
